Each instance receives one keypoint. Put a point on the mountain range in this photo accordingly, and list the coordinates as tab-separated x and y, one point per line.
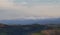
31	21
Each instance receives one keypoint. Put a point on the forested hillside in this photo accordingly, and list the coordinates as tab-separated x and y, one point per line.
32	29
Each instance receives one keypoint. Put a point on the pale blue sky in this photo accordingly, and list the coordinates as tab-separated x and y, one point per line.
14	9
35	2
38	1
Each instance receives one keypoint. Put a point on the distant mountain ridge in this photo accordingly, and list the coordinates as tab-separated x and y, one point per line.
31	21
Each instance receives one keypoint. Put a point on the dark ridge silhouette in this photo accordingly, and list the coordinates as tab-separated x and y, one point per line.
26	29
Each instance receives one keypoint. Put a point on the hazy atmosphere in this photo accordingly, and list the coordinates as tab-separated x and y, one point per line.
16	9
29	17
